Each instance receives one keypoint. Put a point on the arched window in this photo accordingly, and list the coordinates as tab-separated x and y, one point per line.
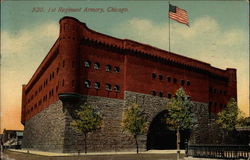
182	82
153	75
87	84
153	93
160	94
87	64
117	69
175	80
160	77
96	66
168	79
117	88
108	68
97	85
108	87
169	95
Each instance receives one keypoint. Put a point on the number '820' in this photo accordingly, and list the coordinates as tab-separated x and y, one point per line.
37	9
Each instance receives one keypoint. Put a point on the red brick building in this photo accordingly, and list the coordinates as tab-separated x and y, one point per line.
83	62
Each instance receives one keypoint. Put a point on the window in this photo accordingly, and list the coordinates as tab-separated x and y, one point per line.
215	91
97	85
63	63
188	83
169	95
117	88
210	90
87	84
108	68
96	66
225	92
168	79
153	93
108	87
73	83
160	77
182	82
63	82
175	80
160	94
57	70
210	104
117	69
153	75
87	64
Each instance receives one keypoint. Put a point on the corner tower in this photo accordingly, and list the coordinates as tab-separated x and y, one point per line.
69	50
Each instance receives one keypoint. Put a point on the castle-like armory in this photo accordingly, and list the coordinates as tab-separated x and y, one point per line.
109	73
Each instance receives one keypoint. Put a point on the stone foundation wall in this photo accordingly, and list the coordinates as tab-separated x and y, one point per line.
153	105
45	130
110	138
50	129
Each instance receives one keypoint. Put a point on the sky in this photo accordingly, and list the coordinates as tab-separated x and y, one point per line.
218	34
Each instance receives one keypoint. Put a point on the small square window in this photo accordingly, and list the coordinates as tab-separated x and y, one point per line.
97	85
117	69
87	84
153	93
169	95
117	88
96	66
87	64
108	87
108	68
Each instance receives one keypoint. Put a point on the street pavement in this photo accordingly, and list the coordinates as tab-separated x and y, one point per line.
34	155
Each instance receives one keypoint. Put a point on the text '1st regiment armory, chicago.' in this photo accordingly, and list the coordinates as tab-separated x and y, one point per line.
110	73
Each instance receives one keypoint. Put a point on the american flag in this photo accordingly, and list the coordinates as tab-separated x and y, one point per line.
178	14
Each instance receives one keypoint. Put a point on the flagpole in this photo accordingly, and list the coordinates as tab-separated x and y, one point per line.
168	27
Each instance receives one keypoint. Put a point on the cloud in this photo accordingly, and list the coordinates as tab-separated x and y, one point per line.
25	41
204	40
21	54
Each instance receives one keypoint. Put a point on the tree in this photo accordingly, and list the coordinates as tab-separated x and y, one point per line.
135	121
180	115
230	117
87	120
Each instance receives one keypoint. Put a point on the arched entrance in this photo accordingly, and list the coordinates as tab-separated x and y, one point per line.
161	137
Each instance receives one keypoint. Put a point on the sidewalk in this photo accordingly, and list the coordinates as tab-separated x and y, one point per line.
42	153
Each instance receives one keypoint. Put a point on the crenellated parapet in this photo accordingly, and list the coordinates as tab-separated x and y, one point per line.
70	24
